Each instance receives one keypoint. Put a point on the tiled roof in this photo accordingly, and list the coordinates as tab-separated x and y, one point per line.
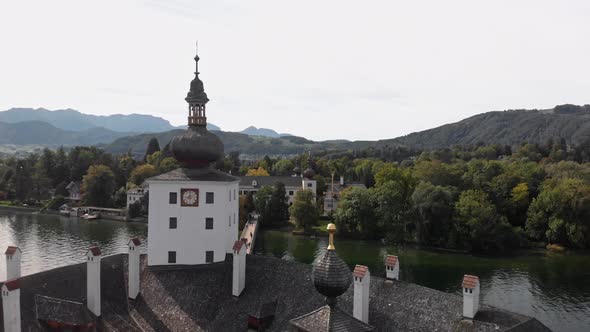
95	251
12	284
470	281
288	181
327	319
194	174
360	271
238	245
11	250
266	310
390	260
135	241
62	311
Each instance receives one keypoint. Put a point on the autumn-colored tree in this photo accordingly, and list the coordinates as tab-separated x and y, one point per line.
257	172
141	173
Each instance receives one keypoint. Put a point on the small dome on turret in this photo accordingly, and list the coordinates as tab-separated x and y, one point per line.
331	276
197	94
309	173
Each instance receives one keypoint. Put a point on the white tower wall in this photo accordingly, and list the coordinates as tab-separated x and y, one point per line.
362	285
93	281
13	262
392	264
133	268
191	240
470	296
11	307
239	268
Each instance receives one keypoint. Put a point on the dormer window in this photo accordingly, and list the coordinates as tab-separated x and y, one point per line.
254	183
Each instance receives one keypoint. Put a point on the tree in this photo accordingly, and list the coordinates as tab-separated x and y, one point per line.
167	165
257	172
246	206
141	173
434	210
56	202
355	214
98	186
153	146
283	167
304	210
262	204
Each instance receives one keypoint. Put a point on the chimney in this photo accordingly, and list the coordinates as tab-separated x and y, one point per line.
11	305
470	296
239	268
13	255
392	267
362	285
341	180
133	268
93	256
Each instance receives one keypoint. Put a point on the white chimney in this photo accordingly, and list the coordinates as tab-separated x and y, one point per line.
362	285
11	305
341	180
392	267
13	255
239	268
93	256
133	267
470	296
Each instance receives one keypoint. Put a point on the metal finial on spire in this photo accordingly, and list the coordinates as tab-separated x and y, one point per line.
331	229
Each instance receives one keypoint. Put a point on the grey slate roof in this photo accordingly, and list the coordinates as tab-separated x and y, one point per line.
194	174
61	310
69	282
327	319
200	300
288	181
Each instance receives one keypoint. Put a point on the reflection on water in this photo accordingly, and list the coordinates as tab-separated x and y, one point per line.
49	241
554	288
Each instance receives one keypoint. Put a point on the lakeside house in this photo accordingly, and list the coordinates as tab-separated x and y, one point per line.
293	184
136	194
74	188
332	196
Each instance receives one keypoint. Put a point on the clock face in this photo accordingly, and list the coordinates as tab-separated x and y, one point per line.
190	197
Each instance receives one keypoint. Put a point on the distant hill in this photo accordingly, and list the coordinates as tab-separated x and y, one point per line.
42	133
512	127
253	131
73	120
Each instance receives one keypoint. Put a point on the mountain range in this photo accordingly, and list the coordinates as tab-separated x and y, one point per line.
512	127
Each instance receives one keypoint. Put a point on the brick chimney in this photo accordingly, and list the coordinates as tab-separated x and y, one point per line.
392	267
13	255
93	258
11	305
239	268
362	285
133	287
470	296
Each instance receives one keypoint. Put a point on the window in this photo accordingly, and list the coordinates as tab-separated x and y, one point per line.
229	192
172	223
208	223
209	256
234	194
290	192
234	218
209	198
229	222
241	192
309	185
171	257
172	198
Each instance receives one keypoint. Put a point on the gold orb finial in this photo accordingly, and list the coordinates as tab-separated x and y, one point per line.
331	229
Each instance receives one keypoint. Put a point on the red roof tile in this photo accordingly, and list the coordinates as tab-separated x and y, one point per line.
135	241
390	260
470	281
12	284
238	245
95	251
11	250
360	271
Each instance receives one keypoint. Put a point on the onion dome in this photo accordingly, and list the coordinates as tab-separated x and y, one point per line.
196	147
331	276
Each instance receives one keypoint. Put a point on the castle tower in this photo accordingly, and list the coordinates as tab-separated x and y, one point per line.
193	210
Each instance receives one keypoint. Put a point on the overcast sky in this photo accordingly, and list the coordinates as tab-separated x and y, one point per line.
318	69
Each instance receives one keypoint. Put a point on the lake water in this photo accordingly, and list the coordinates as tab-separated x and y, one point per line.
555	288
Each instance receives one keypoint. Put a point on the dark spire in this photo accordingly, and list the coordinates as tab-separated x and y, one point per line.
197	147
330	275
